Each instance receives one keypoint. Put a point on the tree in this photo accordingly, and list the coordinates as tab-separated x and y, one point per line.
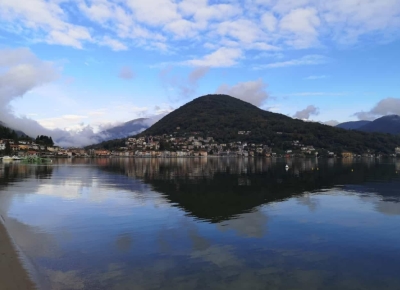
7	150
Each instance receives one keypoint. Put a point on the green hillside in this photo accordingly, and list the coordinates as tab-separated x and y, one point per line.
222	116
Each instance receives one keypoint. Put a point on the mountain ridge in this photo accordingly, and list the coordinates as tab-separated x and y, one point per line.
223	116
353	125
389	124
124	130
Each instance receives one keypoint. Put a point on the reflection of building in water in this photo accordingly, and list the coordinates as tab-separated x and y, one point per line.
347	161
398	165
243	181
202	168
17	170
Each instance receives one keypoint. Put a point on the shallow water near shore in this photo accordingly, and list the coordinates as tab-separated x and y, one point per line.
206	223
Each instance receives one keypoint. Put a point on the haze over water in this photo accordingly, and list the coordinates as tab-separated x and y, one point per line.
210	223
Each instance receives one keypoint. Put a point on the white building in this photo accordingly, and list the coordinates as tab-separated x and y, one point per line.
2	146
397	150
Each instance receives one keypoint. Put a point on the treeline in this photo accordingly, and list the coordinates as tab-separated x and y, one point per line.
44	140
7	133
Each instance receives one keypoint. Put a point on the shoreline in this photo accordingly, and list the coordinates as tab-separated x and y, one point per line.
13	275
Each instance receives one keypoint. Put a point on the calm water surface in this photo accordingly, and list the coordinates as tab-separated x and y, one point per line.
213	223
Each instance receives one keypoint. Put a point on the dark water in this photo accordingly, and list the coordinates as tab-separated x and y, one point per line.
213	223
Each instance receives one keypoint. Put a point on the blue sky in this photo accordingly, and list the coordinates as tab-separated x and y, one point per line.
69	64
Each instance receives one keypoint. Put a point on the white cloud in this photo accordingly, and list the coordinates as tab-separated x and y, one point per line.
349	20
254	24
243	30
332	123
251	91
286	6
155	12
305	60
302	24
100	11
182	28
223	57
114	44
388	106
46	18
306	113
66	122
269	21
20	72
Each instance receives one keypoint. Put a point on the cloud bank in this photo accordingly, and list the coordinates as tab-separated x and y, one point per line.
20	72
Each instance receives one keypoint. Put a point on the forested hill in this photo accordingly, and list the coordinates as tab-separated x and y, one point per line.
387	124
7	133
222	117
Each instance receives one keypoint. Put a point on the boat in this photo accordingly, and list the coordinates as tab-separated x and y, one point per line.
7	158
16	158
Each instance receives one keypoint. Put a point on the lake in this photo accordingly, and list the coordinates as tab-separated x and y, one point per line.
206	223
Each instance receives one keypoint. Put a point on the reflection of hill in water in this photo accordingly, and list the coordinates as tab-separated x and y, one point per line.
219	189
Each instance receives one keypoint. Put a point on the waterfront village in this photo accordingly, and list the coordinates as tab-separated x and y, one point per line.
171	146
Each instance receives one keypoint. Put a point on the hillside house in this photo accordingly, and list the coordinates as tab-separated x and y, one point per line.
14	147
102	153
347	155
23	146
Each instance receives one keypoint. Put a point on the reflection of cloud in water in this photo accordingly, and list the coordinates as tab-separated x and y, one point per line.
220	256
309	201
65	280
124	242
199	243
387	207
252	225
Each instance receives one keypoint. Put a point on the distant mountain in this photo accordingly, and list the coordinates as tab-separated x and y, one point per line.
124	130
386	124
115	136
222	117
354	125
